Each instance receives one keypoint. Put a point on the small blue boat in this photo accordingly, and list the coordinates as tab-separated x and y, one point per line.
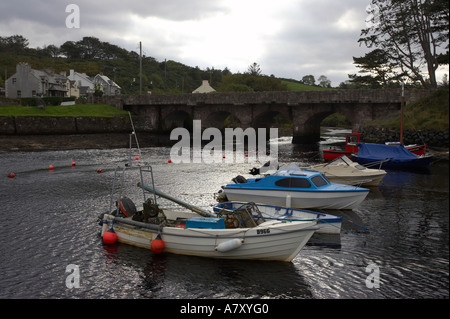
293	187
390	156
328	224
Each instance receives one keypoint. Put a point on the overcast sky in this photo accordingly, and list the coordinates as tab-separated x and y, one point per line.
287	38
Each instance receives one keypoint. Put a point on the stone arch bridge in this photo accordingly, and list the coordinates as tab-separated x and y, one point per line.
306	110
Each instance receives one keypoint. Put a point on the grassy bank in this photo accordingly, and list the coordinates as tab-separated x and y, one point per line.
77	110
428	113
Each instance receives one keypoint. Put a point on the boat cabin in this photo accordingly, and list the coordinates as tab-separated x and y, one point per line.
285	179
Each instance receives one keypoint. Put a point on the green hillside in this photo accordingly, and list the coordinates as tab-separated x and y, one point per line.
297	86
92	56
428	113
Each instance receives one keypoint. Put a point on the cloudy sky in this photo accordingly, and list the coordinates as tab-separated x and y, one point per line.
287	38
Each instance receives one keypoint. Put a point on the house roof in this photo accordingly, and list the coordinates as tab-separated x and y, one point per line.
204	88
107	80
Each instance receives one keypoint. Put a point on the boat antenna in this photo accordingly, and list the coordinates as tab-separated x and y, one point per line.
135	137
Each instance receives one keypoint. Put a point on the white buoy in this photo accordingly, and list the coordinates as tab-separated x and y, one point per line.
229	245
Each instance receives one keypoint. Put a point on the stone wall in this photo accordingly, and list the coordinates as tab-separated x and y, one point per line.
27	125
430	137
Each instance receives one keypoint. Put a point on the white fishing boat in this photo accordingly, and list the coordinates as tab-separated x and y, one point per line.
344	171
238	235
327	223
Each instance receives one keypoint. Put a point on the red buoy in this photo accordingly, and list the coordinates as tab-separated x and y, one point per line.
110	236
73	163
157	245
11	175
137	158
99	170
50	167
169	161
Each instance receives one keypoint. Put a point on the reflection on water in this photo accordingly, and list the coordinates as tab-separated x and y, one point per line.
50	221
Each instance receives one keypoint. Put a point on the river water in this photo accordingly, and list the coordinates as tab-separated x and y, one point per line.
399	235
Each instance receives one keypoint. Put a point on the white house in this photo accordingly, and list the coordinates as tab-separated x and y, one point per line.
85	83
108	86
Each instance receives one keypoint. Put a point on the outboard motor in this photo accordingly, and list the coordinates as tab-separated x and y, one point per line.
239	179
126	206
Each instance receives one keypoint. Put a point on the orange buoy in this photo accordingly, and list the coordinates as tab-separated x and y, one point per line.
50	167
157	245
110	236
11	175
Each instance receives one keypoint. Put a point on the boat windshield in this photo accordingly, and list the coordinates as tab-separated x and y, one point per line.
319	180
287	170
352	139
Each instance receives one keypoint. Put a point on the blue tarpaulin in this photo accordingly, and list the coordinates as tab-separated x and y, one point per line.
391	156
380	152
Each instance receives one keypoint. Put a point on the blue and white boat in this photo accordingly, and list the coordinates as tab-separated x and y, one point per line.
292	187
327	223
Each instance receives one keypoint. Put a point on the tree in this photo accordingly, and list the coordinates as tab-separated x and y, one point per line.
410	33
324	82
70	50
308	80
377	70
15	44
254	69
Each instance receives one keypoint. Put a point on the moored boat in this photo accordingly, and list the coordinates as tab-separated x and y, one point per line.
292	187
243	236
351	147
392	156
344	171
327	223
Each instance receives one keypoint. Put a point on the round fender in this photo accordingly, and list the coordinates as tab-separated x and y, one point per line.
229	245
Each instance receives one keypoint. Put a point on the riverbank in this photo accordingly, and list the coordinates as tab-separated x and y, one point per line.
29	143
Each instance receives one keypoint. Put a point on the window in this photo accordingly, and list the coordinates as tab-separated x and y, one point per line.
14	80
352	140
293	182
319	181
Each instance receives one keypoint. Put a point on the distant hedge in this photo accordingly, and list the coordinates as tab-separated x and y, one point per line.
48	100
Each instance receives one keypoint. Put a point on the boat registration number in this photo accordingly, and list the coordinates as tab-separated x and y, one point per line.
262	231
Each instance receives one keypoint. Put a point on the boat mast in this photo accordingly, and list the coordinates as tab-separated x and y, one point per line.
401	113
140	67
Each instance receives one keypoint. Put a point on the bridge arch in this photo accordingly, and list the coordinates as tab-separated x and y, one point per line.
219	119
177	119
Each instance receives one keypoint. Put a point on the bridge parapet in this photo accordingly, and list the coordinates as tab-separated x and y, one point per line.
255	98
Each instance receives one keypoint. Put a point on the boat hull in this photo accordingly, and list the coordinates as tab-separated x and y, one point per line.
343	174
420	162
331	154
299	199
271	240
327	224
